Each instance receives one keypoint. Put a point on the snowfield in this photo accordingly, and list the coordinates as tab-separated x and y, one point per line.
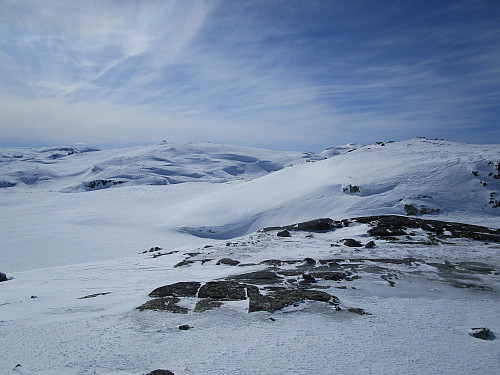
77	254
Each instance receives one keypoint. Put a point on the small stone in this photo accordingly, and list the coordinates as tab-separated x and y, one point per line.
184	327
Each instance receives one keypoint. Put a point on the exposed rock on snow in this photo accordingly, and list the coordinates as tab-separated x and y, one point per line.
223	290
393	225
181	289
411	209
207	304
167	304
317	225
258	277
160	372
283	233
228	261
92	295
3	277
482	333
352	243
277	300
358	311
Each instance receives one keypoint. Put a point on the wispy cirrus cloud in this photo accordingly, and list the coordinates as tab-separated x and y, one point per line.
268	73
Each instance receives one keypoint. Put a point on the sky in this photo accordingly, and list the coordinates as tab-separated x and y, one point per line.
279	74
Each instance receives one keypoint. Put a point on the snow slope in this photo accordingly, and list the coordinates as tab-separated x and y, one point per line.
456	179
58	247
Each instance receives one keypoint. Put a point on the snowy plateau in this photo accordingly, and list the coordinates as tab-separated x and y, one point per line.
201	258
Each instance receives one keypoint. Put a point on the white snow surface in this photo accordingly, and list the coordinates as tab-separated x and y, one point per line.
59	242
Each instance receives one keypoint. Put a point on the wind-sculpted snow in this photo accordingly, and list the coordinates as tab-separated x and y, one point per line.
71	169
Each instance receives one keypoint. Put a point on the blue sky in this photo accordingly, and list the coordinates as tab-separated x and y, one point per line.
267	73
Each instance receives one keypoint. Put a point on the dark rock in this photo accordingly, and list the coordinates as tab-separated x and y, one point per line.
308	278
370	245
156	248
351	189
426	210
279	299
317	225
181	289
98	183
3	277
330	275
394	225
207	304
358	311
310	262
228	261
184	327
223	290
160	372
481	333
183	263
352	243
93	295
284	233
258	277
168	304
411	209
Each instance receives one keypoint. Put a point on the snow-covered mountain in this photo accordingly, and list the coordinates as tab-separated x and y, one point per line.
78	265
73	169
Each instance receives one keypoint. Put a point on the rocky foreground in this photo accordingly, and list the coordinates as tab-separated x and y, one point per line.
283	283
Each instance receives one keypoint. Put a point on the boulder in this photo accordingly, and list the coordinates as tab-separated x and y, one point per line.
3	277
284	233
160	372
411	209
352	243
168	304
207	304
181	289
258	277
370	245
279	299
228	261
481	333
223	290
